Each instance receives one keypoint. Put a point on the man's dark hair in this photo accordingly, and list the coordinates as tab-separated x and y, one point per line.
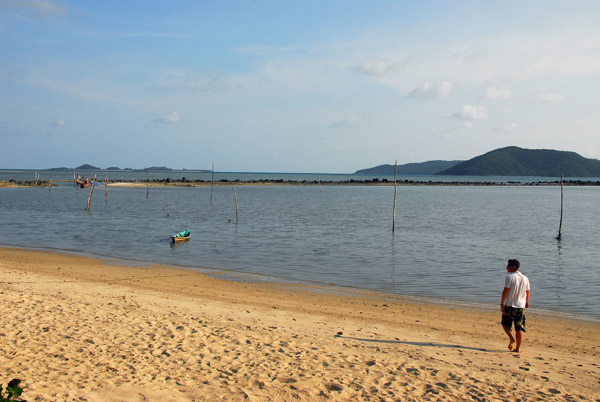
514	263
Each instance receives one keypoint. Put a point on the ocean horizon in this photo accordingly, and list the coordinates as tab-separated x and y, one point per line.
141	175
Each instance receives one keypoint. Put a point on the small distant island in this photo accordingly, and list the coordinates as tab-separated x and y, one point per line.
508	161
89	167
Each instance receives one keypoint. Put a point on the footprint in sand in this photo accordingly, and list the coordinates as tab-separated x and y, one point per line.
334	387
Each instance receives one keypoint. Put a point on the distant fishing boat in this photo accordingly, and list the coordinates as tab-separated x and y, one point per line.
82	182
181	236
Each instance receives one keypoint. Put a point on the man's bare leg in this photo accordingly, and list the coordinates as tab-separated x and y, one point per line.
519	335
511	337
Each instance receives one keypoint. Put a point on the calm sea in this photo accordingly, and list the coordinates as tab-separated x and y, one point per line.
450	243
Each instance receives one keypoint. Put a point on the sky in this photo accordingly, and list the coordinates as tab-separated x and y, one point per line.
328	86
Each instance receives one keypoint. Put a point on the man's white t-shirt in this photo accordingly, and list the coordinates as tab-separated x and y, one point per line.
518	285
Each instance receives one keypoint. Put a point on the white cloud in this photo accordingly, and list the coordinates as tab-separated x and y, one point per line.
376	68
510	58
435	90
495	93
169	119
40	9
469	112
545	96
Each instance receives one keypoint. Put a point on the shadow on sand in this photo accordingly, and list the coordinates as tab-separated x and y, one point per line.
428	344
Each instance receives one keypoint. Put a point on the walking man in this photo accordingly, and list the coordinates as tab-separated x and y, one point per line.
515	299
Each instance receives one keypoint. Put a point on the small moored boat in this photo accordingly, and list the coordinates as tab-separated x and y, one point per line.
82	183
181	236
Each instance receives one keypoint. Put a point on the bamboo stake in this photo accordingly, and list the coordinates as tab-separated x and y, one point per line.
236	205
106	186
91	192
561	209
395	188
50	185
320	183
212	181
148	186
37	178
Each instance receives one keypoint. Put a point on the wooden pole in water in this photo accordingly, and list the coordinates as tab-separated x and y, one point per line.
91	192
212	181
50	185
561	209
236	205
147	186
106	186
395	190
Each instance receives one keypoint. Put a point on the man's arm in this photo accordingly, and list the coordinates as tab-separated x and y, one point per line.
527	300
504	294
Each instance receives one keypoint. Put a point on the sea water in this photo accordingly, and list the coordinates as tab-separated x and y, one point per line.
449	243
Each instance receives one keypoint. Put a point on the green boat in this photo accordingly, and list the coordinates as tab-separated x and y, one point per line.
181	236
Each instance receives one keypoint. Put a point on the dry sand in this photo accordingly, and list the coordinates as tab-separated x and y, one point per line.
83	329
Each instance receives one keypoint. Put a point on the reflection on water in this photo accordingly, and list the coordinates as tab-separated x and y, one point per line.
558	272
450	242
393	261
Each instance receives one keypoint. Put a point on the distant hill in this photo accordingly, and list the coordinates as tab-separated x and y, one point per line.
86	167
115	168
82	167
515	161
430	167
157	168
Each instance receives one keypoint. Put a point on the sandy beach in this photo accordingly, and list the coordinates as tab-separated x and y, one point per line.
81	329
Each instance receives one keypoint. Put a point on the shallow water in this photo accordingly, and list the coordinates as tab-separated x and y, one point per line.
450	242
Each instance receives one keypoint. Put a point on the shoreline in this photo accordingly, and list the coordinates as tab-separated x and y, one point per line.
81	327
308	183
242	277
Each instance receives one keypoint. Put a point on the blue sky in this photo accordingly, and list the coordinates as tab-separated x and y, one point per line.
293	86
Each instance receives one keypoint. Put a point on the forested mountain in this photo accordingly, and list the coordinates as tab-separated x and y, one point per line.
515	161
431	167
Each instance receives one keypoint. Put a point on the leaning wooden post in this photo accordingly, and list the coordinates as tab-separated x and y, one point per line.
395	189
561	209
91	192
212	181
236	205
